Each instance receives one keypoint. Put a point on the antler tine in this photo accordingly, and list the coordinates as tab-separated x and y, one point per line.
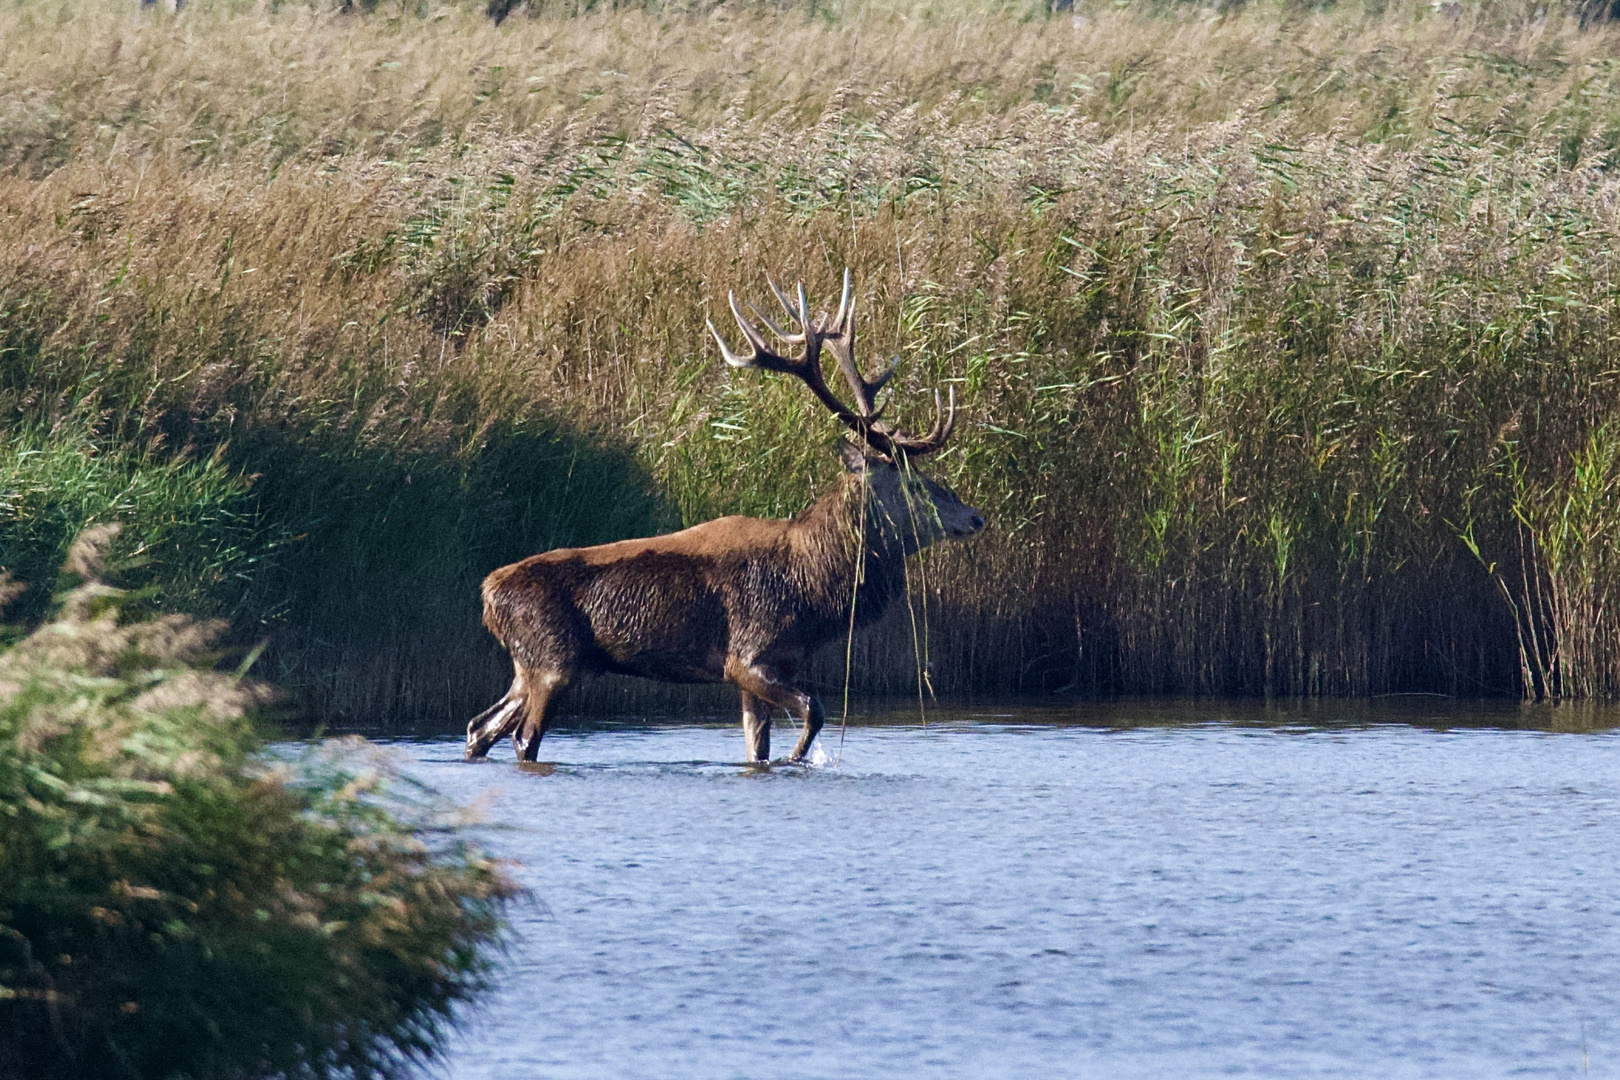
731	358
760	354
786	306
944	424
845	311
866	390
761	348
736	360
882	380
796	339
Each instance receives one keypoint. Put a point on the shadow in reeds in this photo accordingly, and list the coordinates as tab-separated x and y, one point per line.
356	564
372	604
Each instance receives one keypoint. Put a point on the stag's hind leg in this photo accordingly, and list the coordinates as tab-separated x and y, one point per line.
543	688
764	681
489	726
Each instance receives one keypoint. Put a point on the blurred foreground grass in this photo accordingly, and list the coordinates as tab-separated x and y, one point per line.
174	901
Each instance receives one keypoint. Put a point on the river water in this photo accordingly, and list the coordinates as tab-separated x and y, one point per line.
1114	892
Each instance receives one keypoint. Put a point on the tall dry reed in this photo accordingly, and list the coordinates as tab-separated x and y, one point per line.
1279	336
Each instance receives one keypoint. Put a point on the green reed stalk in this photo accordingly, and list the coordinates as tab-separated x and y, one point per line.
1232	369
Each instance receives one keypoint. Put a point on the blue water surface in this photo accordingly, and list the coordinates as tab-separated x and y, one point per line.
1004	896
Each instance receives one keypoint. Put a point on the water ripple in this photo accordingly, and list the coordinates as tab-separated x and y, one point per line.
1007	898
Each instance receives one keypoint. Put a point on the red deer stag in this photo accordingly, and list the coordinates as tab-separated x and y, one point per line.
740	600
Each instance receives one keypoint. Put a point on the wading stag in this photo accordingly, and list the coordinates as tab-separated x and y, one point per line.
738	599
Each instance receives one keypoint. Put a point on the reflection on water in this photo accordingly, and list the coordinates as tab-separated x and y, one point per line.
1385	890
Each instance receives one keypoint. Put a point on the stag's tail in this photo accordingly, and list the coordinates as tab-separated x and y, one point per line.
533	618
498	606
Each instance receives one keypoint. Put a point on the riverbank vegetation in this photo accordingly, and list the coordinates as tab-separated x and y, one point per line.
1282	335
174	901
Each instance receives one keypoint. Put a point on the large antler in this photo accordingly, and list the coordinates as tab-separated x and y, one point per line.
838	335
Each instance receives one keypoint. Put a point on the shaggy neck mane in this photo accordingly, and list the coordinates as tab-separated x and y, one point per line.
828	538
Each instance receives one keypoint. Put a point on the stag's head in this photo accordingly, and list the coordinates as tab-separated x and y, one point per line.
915	510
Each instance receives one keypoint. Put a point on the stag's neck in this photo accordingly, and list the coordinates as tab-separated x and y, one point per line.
845	554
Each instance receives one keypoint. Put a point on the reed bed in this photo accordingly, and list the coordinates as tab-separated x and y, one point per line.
1282	337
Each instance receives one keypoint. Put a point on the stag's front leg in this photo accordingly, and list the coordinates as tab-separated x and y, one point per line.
814	717
756	722
763	681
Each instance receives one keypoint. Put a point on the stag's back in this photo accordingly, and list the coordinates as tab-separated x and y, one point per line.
666	606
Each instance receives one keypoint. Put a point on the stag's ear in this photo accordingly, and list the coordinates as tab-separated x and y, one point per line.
856	459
